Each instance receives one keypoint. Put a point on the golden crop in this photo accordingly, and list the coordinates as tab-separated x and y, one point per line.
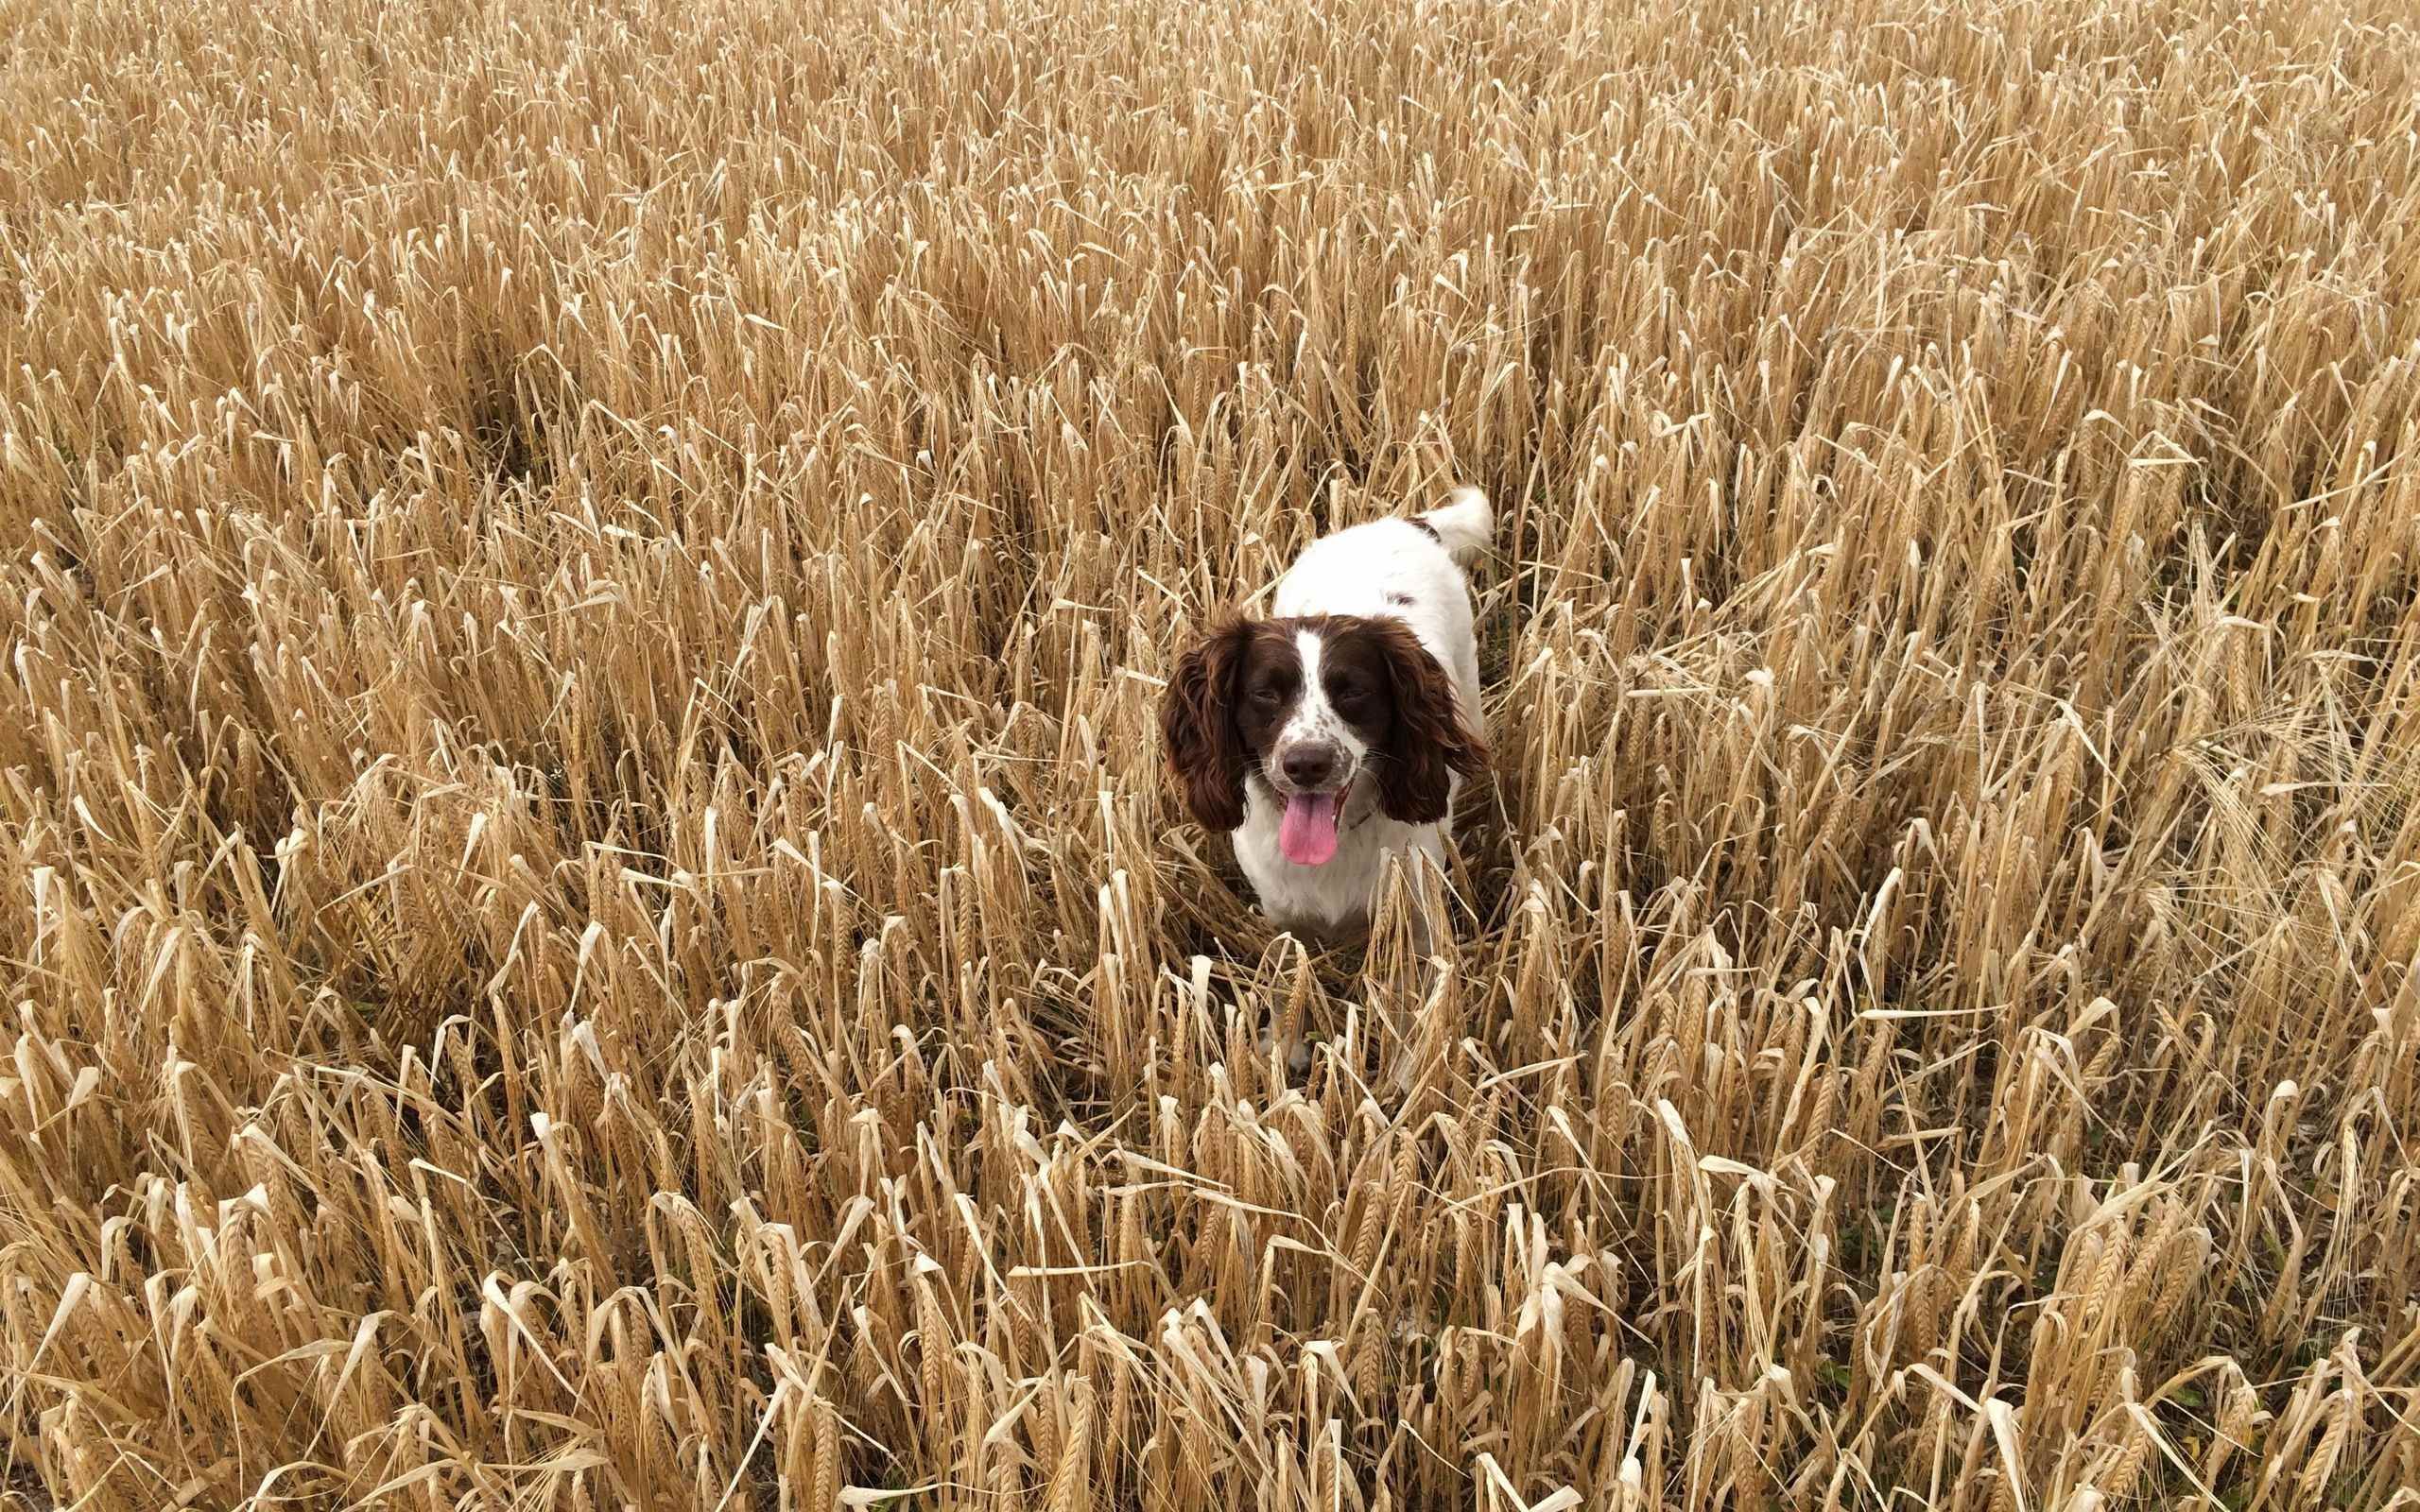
590	917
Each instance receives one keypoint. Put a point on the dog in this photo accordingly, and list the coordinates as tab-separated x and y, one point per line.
1337	730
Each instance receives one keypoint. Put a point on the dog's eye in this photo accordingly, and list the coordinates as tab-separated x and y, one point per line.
1348	691
1267	692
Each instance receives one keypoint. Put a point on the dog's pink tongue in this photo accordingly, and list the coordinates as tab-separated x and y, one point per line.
1307	832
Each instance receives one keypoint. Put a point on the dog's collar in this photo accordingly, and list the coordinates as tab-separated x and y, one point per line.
1344	827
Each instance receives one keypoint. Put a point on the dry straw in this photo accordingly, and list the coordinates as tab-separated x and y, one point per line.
590	917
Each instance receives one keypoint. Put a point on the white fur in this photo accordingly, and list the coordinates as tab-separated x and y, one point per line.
1366	570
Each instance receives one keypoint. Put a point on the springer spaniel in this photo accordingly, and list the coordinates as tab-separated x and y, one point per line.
1339	730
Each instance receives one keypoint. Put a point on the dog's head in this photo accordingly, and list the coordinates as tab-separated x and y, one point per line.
1309	707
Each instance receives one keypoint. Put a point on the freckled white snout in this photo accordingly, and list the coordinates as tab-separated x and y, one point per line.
1310	765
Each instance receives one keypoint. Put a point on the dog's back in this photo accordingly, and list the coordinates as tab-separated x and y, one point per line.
1402	569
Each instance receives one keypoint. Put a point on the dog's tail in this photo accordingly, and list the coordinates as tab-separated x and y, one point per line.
1465	522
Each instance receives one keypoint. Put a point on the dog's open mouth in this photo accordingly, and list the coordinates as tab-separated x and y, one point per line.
1307	832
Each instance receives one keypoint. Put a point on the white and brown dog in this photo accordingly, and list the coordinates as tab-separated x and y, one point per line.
1337	730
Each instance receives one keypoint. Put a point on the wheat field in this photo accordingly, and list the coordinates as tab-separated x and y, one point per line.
591	915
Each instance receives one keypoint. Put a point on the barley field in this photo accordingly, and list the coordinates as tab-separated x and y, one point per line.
591	915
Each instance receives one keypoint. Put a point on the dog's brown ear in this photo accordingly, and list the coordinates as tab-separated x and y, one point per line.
1198	724
1429	743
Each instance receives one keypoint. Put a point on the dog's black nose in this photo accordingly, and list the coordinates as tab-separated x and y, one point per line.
1309	767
